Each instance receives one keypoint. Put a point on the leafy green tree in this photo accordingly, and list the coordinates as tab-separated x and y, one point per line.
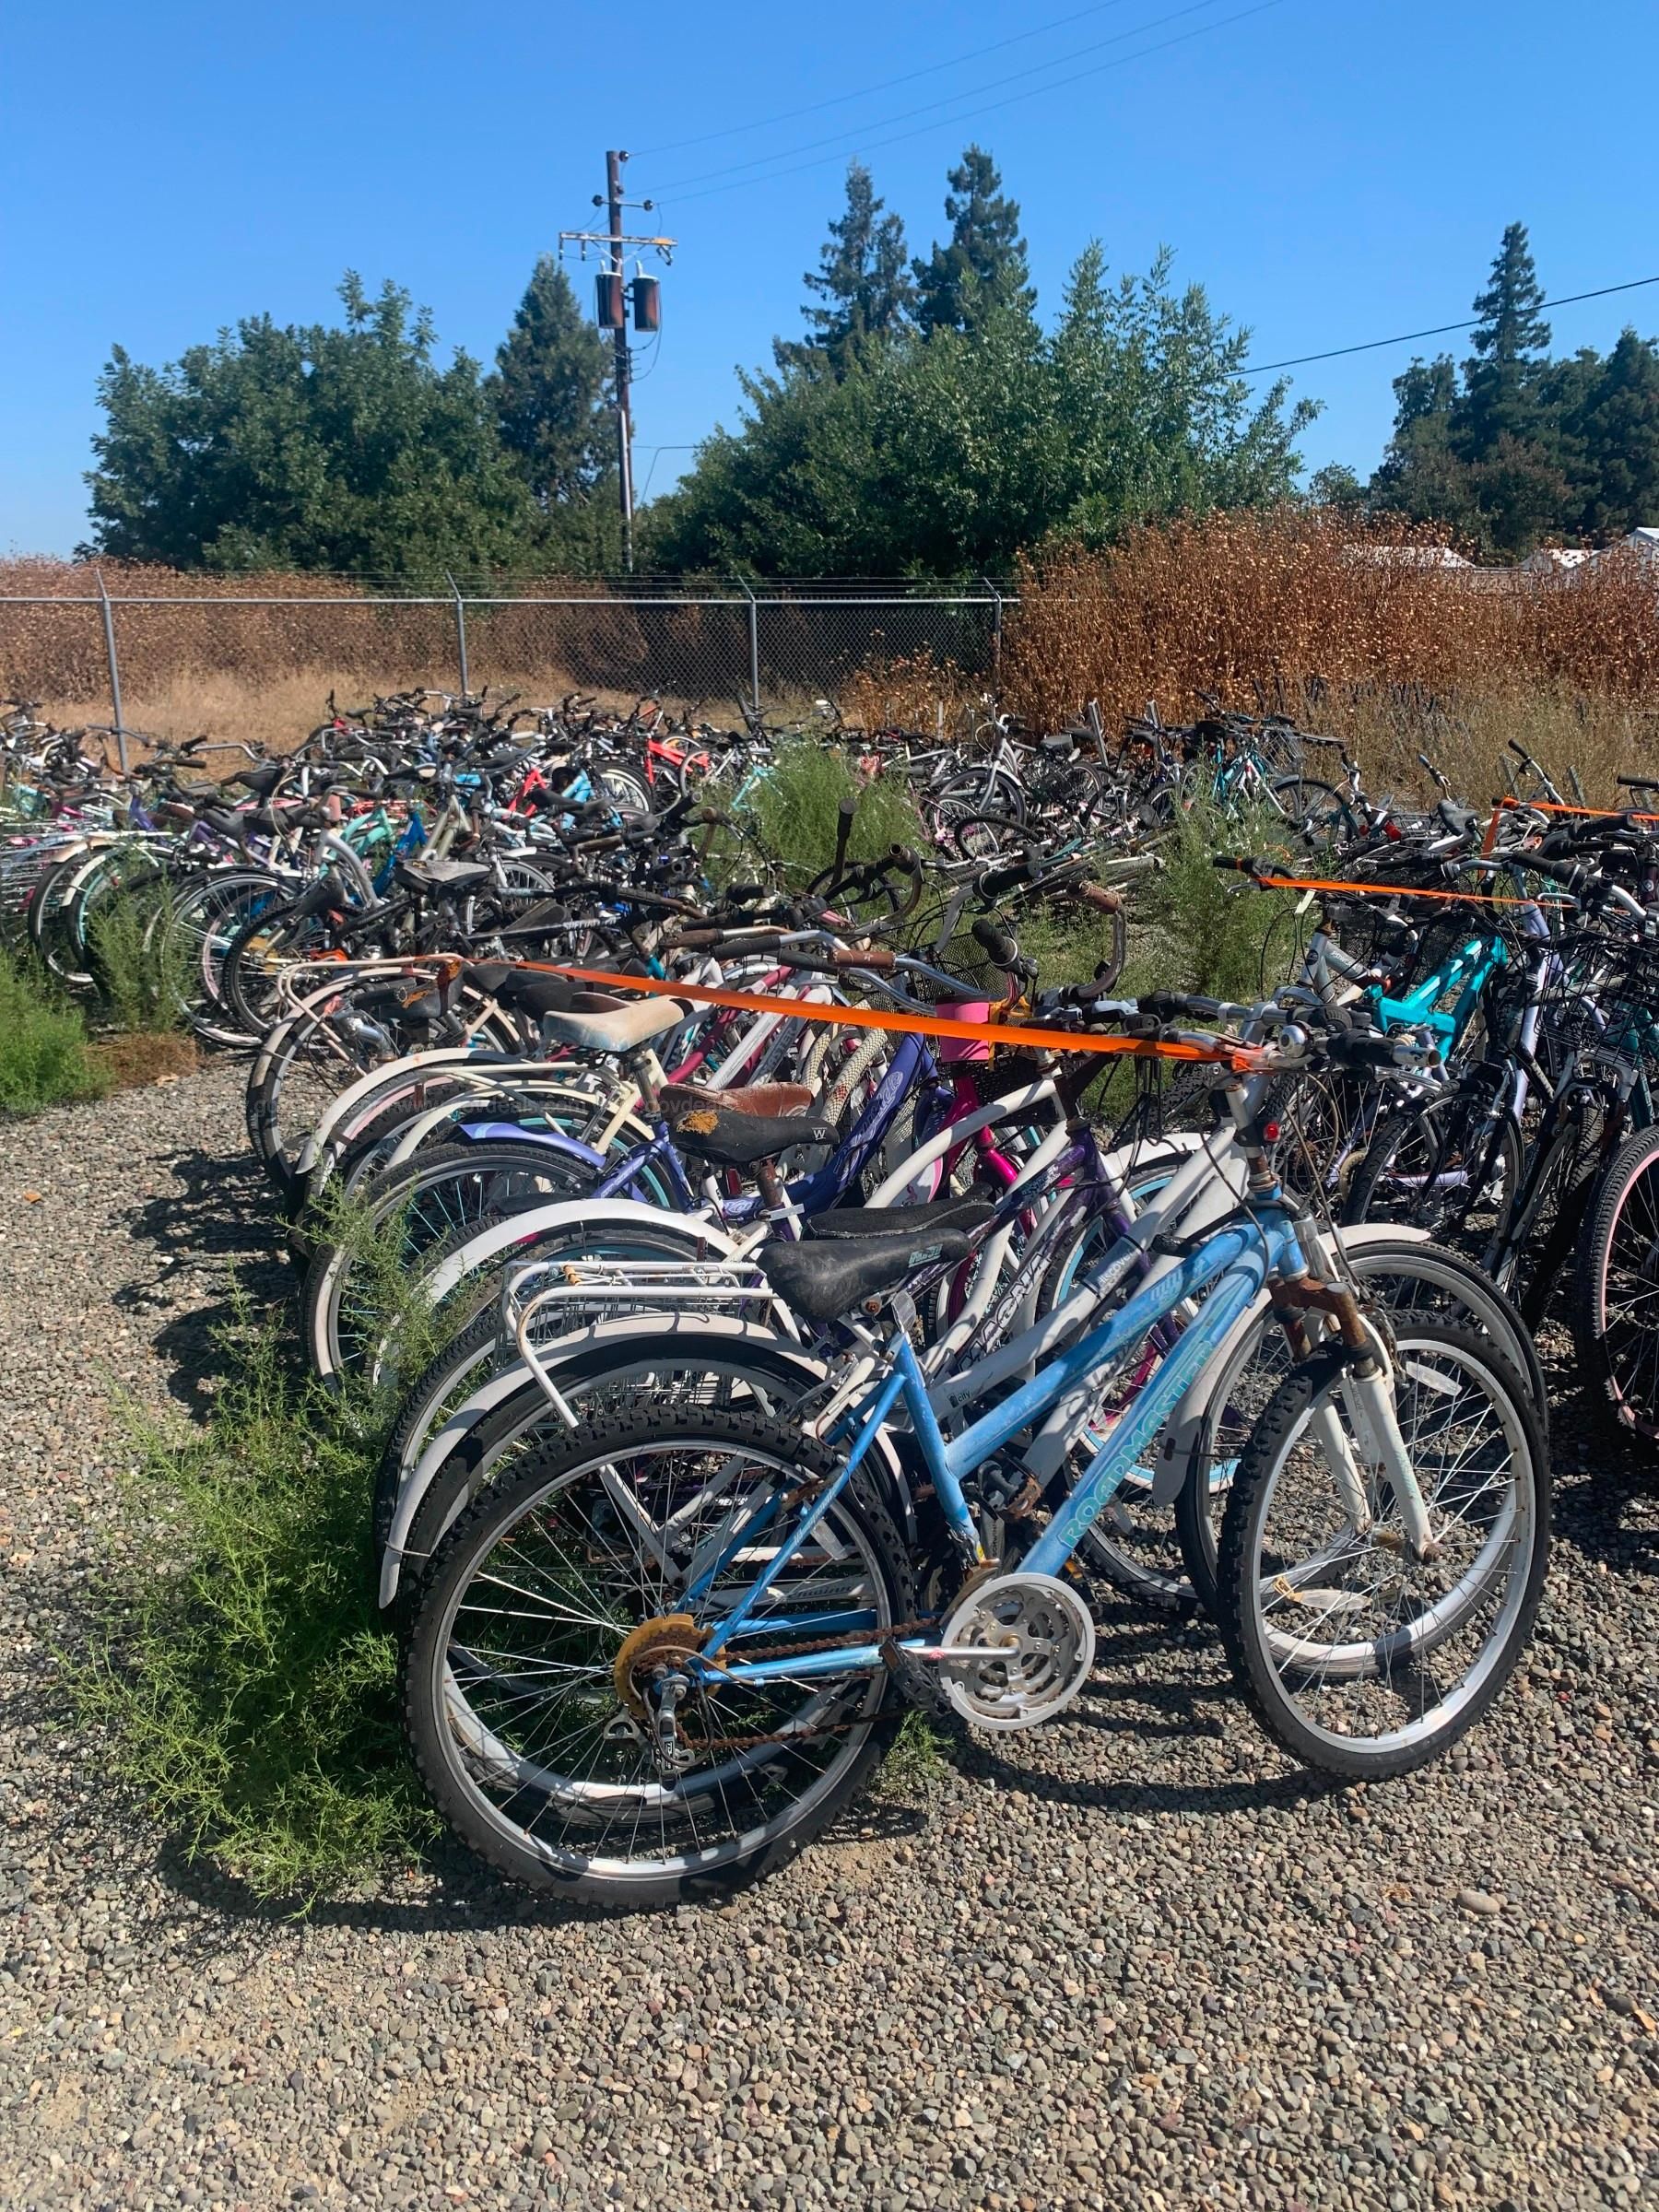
1523	449
1151	414
315	447
948	455
549	392
1610	429
1420	473
1335	485
862	279
984	258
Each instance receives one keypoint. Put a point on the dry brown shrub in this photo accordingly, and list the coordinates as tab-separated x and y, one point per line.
1358	630
913	691
139	1057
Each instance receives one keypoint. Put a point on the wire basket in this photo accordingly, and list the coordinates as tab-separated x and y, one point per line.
1602	1001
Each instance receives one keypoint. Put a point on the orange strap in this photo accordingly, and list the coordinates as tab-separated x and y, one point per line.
1240	1058
1394	891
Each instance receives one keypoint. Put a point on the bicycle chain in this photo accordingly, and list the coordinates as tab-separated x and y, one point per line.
797	1651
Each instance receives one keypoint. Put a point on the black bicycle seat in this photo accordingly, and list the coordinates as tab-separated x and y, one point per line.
743	1140
264	778
527	990
822	1280
961	1215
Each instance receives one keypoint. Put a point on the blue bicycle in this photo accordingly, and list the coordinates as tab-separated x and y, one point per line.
662	1654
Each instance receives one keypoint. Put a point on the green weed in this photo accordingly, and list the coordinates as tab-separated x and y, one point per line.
43	1059
916	1765
791	814
238	1668
1197	928
139	960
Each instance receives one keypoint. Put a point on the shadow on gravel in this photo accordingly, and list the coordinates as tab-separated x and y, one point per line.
1610	1510
466	1898
221	1227
1606	1485
1170	1711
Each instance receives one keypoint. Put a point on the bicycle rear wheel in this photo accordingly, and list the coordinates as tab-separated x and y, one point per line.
532	1739
1616	1290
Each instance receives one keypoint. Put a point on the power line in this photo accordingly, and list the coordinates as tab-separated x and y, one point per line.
971	114
888	83
651	472
1438	330
839	138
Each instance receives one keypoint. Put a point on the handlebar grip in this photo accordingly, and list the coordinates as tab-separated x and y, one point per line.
996	942
1099	898
1569	874
1172	1005
993	882
1362	1052
879	959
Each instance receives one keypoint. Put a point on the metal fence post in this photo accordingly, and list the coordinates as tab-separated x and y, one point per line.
109	627
997	612
460	632
754	629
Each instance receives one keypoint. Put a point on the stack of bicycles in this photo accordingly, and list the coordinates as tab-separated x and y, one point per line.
778	1342
791	1312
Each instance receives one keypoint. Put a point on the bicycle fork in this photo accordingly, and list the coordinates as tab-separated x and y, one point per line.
1368	1392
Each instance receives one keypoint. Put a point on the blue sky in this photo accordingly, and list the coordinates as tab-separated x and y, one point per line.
1332	170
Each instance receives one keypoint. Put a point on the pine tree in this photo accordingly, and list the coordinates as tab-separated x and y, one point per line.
863	279
1615	436
1500	383
985	258
548	391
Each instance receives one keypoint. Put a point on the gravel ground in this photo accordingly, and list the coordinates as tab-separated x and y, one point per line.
1134	1961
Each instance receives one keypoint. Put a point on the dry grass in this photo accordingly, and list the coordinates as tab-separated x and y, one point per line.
178	649
1353	632
130	1061
1298	610
275	713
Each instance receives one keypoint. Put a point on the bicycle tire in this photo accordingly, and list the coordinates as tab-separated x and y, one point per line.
1619	1242
1384	1669
476	1774
1233	1402
450	1188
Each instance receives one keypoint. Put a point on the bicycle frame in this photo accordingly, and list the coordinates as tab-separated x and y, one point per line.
1233	1266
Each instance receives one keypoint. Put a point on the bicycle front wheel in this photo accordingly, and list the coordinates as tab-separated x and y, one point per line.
1361	1661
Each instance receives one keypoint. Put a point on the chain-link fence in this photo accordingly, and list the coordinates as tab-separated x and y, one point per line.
720	647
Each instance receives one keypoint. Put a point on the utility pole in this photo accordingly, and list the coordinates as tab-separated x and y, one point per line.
612	244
